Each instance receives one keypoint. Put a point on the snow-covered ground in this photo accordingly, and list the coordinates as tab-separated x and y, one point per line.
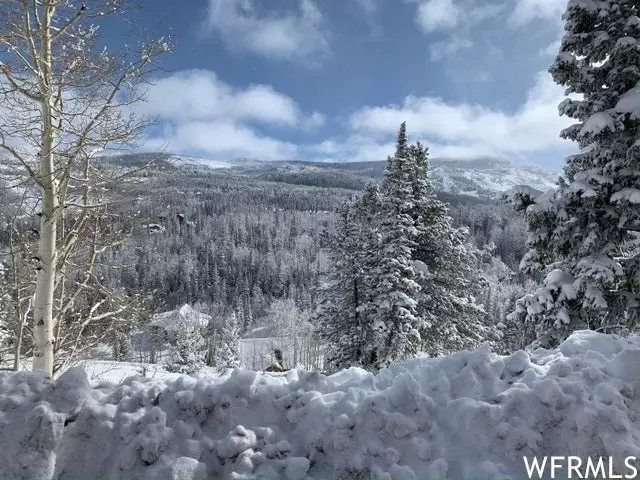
467	415
116	372
183	160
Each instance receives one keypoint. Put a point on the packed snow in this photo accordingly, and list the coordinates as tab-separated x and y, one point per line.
630	101
472	414
597	123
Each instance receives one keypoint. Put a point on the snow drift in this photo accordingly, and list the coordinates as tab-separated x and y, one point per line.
468	415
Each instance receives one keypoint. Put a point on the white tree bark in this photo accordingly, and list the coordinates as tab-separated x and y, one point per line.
47	245
65	96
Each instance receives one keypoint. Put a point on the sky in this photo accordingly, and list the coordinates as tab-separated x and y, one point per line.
331	80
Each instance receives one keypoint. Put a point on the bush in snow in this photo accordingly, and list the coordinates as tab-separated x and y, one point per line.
122	347
186	350
582	236
228	347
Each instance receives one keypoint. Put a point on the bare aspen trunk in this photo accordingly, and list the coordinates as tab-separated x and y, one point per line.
43	305
20	313
17	352
17	356
47	245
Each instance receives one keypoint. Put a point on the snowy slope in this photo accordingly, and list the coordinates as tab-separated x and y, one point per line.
481	177
488	176
468	415
183	160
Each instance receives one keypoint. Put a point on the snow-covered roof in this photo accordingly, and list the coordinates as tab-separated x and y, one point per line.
169	321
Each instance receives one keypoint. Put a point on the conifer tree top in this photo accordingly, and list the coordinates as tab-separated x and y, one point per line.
402	142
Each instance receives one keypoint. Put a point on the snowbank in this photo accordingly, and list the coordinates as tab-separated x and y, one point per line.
468	415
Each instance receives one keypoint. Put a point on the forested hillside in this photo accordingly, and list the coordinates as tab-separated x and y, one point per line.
229	237
249	241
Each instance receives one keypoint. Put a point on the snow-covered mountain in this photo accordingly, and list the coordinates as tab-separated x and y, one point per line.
480	177
488	176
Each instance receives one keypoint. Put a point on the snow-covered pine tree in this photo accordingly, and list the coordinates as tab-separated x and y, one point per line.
228	349
447	269
339	318
122	349
186	349
584	237
393	306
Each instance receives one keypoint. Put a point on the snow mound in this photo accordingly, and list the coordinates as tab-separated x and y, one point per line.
468	415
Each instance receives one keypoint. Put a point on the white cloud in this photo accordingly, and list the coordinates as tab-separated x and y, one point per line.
200	94
551	50
288	35
458	130
315	120
443	15
435	15
448	47
222	140
327	147
200	113
529	10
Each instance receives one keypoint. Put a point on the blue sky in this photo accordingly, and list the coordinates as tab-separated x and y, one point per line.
332	79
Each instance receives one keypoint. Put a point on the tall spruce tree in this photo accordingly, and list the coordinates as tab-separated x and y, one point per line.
393	306
338	315
584	237
403	275
341	316
447	270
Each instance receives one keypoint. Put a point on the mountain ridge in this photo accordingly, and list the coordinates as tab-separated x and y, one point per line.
486	177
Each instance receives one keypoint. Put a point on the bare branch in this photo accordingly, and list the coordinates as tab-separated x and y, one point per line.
68	24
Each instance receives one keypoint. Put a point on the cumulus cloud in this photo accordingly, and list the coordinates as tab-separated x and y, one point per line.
200	113
458	130
315	120
435	15
444	15
535	125
528	10
200	94
221	140
293	36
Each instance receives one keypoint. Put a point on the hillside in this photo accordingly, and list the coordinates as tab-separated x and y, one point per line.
480	177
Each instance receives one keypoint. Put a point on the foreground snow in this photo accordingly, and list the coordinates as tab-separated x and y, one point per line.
468	415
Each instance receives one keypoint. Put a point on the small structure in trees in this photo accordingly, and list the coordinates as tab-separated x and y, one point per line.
277	364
